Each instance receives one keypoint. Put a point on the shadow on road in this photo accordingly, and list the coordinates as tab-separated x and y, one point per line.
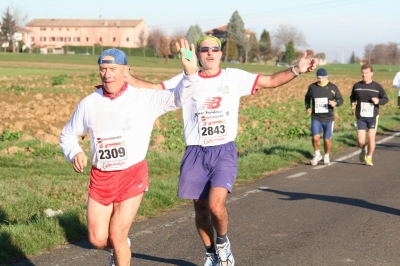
162	260
342	200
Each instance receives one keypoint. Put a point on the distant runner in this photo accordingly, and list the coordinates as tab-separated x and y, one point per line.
324	96
396	84
366	97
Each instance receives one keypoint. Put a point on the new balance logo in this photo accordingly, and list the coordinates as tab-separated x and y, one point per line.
211	103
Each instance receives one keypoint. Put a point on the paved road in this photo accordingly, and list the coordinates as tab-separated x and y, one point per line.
343	214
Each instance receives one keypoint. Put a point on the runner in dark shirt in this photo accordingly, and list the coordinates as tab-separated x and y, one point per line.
366	97
324	96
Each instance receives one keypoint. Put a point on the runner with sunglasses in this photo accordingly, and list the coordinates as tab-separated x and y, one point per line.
210	164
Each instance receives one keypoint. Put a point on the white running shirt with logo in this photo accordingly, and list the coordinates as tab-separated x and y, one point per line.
210	117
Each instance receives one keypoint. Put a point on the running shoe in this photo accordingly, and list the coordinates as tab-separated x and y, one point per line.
211	259
225	257
316	159
368	161
326	160
362	156
111	258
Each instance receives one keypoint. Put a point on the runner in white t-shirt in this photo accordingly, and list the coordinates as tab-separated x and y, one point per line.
119	119
209	165
396	84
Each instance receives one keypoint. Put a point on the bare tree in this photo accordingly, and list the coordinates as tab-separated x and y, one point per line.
175	39
154	39
286	33
393	53
382	53
368	53
177	35
20	16
142	42
164	48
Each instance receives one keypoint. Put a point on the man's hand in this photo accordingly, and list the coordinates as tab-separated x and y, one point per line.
190	67
308	111
332	103
80	162
353	105
306	65
375	100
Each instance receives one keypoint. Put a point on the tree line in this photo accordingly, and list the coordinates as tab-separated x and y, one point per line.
239	46
283	45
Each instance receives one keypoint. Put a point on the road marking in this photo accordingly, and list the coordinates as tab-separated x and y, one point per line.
185	217
320	166
244	195
341	159
297	175
388	138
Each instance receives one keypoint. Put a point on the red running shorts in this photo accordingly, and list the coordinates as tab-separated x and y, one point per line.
107	187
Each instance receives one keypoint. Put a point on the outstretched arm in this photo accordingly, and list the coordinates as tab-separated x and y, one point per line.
139	83
277	79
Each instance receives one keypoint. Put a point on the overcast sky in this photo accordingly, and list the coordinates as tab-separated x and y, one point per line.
334	27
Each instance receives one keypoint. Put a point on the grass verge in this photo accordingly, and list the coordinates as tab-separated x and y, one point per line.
38	177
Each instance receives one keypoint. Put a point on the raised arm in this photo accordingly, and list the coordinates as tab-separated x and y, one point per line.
277	79
189	65
186	87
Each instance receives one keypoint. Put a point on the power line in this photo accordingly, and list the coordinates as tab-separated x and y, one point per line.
272	13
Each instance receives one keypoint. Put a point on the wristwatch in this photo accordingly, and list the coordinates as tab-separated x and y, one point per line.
294	71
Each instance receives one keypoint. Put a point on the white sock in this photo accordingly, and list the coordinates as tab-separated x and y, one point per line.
318	153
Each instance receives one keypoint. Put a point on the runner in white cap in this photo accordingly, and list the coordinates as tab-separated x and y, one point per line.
119	119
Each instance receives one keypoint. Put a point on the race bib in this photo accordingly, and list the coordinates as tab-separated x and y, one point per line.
367	109
212	130
111	152
321	105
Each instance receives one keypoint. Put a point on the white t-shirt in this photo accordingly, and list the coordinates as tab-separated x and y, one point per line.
396	82
120	129
210	117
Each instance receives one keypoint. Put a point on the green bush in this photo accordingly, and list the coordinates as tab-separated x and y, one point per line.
10	136
58	80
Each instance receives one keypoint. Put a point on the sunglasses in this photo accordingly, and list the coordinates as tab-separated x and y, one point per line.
205	49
